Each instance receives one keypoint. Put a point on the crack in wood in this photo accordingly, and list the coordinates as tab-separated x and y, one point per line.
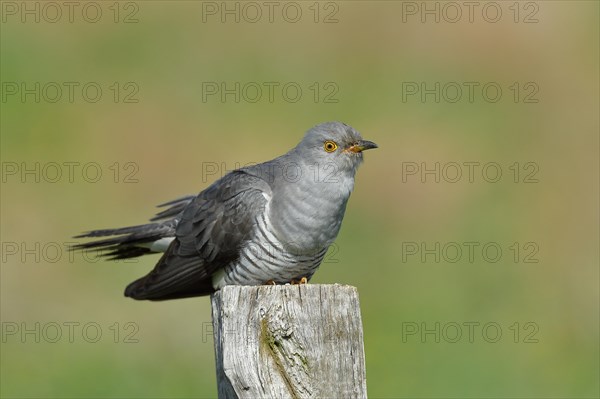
289	341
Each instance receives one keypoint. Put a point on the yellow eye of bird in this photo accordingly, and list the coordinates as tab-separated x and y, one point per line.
330	146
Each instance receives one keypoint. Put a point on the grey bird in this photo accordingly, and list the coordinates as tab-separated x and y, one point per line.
267	223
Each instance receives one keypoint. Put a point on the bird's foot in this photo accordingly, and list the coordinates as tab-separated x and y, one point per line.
303	280
270	282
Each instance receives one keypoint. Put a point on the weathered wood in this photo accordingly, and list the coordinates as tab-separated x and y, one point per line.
289	341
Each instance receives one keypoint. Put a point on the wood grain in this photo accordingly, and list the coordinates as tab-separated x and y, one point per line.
289	341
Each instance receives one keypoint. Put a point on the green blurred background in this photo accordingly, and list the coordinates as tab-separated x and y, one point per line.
367	52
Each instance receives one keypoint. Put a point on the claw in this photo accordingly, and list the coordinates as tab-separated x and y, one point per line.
303	280
270	282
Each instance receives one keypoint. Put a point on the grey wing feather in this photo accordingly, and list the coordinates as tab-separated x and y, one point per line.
213	228
175	207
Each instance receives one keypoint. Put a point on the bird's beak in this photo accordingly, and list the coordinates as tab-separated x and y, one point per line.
362	145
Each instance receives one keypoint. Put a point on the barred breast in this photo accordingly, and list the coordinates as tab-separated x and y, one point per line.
292	235
266	258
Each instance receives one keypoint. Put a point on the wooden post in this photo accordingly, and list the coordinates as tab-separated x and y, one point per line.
289	341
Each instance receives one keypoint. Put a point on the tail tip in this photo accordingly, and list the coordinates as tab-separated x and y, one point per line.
133	291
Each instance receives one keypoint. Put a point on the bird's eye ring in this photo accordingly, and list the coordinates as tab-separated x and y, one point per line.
330	146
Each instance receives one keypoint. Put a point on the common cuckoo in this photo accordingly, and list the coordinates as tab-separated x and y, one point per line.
267	223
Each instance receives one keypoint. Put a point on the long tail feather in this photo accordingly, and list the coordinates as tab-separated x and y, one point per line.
128	242
134	241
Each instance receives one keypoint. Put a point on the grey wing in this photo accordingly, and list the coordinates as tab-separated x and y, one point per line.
213	228
174	208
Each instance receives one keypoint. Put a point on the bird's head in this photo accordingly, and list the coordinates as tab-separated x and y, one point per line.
334	143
